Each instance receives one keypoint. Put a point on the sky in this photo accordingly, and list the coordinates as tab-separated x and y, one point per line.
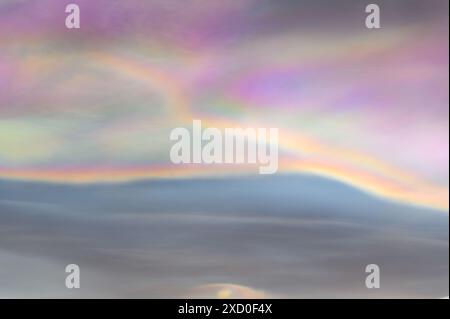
363	130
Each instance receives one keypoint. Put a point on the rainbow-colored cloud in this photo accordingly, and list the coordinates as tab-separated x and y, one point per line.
369	108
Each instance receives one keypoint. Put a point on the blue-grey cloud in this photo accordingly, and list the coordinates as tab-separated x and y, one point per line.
162	238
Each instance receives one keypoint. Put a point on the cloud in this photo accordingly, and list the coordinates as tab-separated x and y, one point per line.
278	237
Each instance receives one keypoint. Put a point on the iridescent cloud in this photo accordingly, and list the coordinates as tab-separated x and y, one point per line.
369	108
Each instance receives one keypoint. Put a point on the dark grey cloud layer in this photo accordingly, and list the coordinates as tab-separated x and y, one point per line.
289	236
